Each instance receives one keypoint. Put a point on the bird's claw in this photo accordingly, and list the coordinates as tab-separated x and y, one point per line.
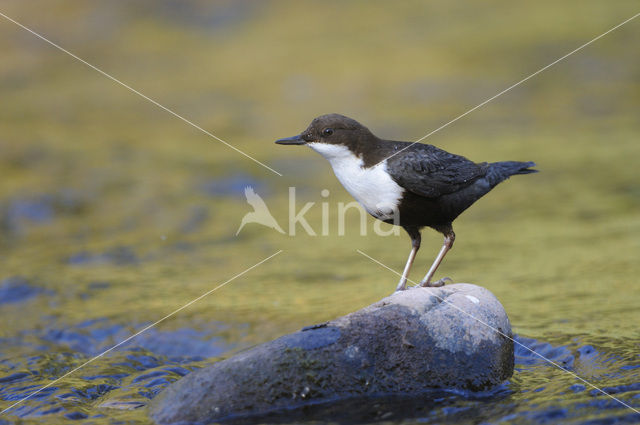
435	284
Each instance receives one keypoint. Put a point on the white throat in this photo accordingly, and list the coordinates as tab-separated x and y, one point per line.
372	187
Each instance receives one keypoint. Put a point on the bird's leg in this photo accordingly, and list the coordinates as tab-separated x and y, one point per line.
414	233
449	237
402	285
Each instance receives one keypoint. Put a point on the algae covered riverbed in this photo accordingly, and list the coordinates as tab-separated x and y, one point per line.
114	213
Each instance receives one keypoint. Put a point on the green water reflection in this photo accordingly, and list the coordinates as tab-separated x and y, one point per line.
118	211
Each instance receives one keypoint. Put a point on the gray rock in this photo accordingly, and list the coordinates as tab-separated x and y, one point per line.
407	343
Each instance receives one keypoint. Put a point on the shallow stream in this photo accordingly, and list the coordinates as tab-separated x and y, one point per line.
113	213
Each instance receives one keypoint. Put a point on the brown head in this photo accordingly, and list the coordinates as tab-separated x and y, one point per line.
333	129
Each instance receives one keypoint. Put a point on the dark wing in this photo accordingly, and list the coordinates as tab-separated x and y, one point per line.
431	172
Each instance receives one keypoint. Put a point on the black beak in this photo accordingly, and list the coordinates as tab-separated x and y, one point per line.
295	140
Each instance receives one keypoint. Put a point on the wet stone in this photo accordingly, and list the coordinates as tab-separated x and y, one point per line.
412	342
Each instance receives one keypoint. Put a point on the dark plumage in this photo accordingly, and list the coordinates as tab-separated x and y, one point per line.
425	186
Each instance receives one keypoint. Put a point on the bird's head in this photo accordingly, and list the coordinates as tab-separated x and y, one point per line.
327	132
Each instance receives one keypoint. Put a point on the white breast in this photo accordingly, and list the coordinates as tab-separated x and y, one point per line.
372	187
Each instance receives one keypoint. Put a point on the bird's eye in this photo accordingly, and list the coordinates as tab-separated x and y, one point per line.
327	131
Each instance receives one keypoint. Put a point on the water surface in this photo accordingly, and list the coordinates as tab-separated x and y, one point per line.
113	213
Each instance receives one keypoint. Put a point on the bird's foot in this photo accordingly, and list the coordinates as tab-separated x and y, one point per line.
402	285
435	284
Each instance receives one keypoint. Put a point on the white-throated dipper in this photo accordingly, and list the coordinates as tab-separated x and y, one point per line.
412	185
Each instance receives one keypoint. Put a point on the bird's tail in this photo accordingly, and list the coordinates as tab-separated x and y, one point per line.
500	171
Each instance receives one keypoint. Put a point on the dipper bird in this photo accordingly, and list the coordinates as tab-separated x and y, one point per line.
412	185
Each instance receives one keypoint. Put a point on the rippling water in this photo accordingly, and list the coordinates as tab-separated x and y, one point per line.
118	386
113	214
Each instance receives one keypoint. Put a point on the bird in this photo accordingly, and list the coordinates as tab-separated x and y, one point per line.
408	184
260	213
